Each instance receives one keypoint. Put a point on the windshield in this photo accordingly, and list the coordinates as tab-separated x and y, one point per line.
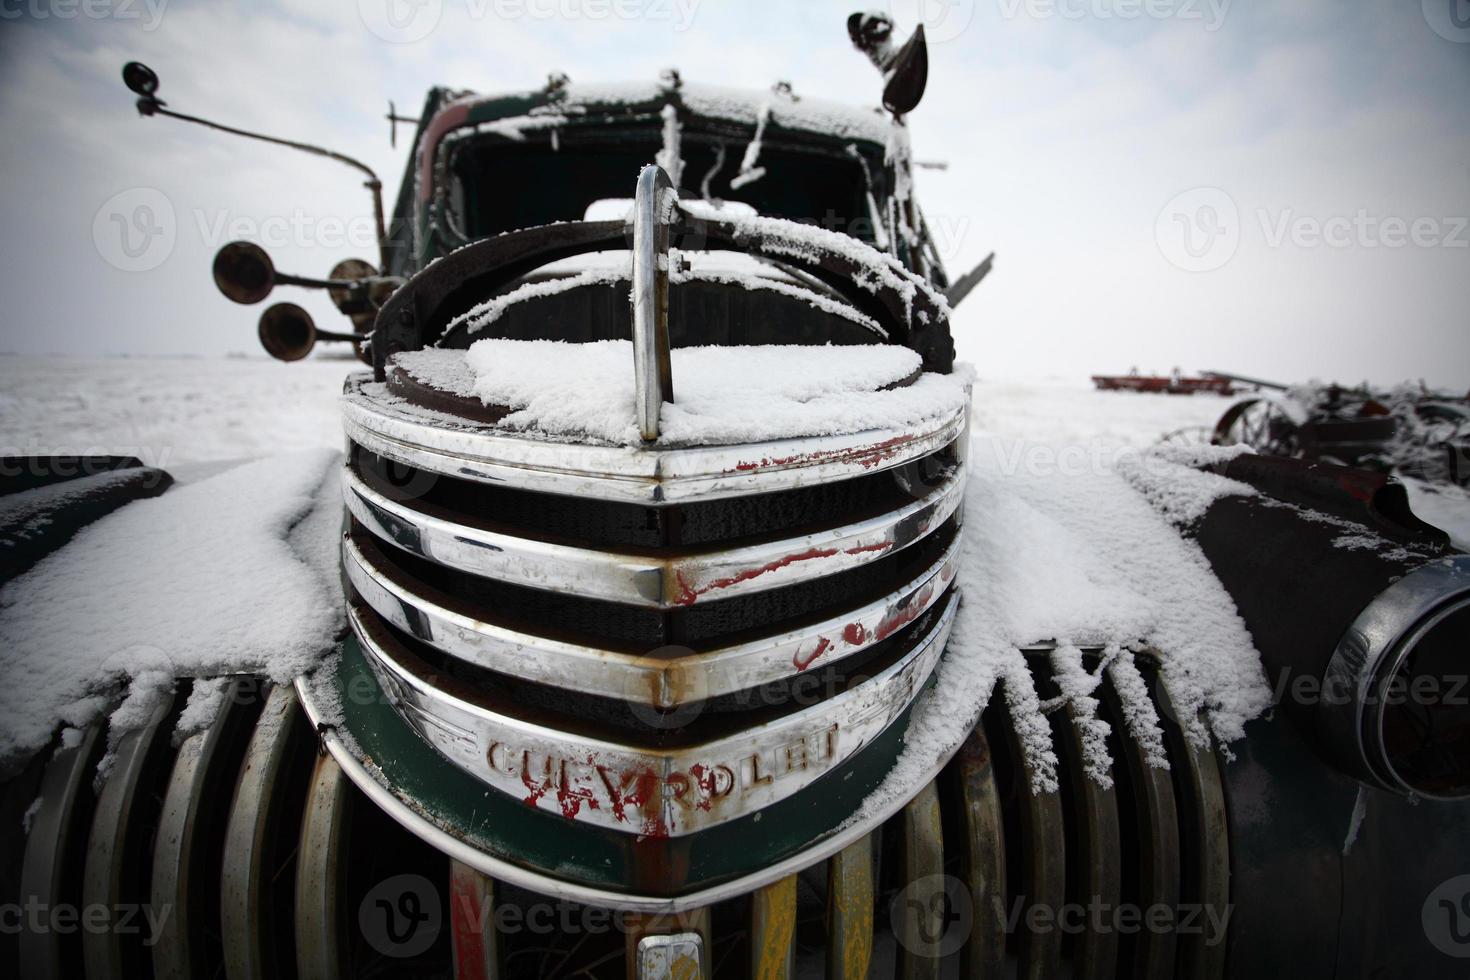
498	186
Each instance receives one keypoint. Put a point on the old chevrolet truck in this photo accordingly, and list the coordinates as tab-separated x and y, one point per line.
643	710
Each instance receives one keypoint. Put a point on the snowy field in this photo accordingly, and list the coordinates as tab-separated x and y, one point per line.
183	414
176	412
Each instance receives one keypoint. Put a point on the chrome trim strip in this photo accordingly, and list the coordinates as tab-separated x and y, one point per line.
403	809
653	380
649	791
676	675
680	956
1371	651
443	444
650	582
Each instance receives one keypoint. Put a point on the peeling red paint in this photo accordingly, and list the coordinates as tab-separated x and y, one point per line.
802	663
450	117
689	595
467	918
901	617
536	791
864	549
867	456
854	634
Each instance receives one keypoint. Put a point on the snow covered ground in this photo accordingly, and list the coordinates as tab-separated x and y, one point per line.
181	411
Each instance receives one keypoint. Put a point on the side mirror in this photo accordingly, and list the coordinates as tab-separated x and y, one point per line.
909	77
244	272
140	79
354	303
905	70
287	332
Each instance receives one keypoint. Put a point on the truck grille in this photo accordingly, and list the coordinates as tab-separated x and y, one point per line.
732	623
272	863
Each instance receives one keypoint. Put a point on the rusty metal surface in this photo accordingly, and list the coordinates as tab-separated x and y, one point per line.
1043	872
1205	825
850	896
921	908
666	792
648	476
982	860
472	924
773	930
118	842
1096	862
657	582
54	854
261	813
668	680
1154	825
321	873
186	855
669	947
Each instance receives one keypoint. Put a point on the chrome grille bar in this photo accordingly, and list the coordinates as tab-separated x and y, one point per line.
660	792
449	446
652	582
650	680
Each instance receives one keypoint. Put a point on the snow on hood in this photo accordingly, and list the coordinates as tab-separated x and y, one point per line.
825	117
1075	557
723	395
208	579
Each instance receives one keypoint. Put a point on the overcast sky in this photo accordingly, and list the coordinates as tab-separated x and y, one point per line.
1277	189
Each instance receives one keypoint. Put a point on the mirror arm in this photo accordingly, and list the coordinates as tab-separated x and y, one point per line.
149	106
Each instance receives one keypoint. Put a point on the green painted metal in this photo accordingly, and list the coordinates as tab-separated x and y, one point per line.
508	830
